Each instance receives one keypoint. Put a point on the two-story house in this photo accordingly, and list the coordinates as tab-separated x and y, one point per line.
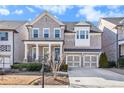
78	42
11	45
113	36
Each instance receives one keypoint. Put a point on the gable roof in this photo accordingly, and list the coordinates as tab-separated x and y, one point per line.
48	14
114	20
10	24
70	26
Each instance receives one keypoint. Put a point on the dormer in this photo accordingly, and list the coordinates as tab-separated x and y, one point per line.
82	36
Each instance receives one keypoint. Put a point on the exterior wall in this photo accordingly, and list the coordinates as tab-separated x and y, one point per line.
19	44
9	42
122	50
109	39
120	34
49	24
95	41
78	42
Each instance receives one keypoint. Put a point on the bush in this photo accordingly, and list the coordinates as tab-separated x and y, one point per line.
28	66
103	61
111	64
64	67
121	62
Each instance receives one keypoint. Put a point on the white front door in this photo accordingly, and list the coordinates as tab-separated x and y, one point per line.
90	61
5	62
73	60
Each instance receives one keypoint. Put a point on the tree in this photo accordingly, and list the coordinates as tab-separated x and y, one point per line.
55	65
103	61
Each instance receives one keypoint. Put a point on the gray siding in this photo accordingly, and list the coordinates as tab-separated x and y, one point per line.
95	41
46	22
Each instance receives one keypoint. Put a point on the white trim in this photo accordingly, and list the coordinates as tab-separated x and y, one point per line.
73	59
48	32
59	33
42	42
48	14
33	32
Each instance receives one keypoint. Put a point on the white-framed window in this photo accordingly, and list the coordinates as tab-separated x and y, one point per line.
3	36
86	34
46	32
57	32
82	34
35	32
77	34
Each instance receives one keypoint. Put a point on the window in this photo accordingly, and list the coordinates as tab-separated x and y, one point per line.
86	34
46	51
46	33
35	33
3	36
82	34
5	48
77	34
57	33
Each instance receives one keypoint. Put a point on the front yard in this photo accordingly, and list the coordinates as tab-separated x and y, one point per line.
32	80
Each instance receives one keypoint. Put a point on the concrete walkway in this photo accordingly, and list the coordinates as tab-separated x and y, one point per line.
81	77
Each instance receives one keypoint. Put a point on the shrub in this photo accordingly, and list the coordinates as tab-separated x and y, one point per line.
28	66
111	64
121	62
103	61
64	67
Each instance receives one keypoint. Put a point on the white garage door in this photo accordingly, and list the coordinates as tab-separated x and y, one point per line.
5	62
90	61
73	60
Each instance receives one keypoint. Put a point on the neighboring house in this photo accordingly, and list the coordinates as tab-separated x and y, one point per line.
11	45
78	42
113	37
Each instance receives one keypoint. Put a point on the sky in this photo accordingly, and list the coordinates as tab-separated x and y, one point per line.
63	13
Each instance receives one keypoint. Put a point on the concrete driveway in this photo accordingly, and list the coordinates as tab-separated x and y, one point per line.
82	77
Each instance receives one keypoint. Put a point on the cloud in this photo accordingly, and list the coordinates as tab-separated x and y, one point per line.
59	9
93	14
30	9
18	12
90	13
4	11
111	7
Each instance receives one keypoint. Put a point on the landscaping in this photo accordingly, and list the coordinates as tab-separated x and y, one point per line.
32	80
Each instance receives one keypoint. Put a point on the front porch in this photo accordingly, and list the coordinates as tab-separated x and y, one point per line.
36	50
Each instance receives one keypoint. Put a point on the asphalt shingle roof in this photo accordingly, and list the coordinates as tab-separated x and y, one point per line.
115	20
70	26
11	24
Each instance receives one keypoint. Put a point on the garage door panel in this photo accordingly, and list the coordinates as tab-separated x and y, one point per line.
90	61
74	60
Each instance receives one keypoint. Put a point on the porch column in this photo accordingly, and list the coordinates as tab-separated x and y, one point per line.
49	51
26	52
61	51
37	52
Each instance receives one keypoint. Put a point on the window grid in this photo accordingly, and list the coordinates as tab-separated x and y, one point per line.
5	48
3	36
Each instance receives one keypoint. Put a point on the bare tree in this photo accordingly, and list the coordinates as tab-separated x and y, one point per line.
55	64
